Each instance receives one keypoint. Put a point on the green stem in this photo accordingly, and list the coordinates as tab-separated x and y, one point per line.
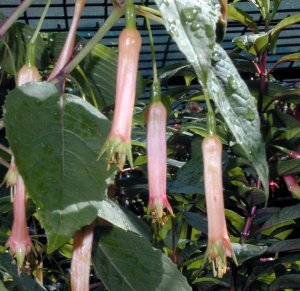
107	25
40	23
155	92
30	54
148	9
154	65
130	16
8	22
210	117
88	84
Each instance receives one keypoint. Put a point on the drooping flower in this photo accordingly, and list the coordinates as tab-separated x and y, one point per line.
118	143
19	241
219	245
292	185
156	118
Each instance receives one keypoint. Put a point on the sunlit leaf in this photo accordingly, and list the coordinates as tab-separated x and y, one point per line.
222	83
275	31
242	17
264	7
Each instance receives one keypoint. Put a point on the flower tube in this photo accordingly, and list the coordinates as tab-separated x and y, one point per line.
118	143
156	118
219	246
19	241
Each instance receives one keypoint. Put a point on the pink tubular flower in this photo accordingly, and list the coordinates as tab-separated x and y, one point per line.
19	241
156	118
292	185
118	143
219	246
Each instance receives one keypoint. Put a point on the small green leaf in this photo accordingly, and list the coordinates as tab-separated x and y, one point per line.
264	7
242	17
196	220
206	282
17	38
288	167
56	140
244	252
276	4
189	178
275	31
126	261
287	245
295	57
284	215
23	281
291	281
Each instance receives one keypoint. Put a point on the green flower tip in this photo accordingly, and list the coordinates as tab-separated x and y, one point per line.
117	152
217	253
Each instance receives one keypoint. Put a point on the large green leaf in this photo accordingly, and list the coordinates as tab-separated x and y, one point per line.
55	140
126	261
22	281
192	26
17	39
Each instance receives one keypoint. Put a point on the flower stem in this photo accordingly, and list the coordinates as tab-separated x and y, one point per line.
8	22
107	25
40	23
153	58
130	16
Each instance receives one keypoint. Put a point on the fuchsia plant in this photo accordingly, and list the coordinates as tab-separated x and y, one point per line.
156	119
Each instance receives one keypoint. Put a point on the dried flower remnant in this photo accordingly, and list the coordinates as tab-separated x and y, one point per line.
219	245
156	118
19	241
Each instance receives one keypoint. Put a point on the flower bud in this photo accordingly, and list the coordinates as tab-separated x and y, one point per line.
28	74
